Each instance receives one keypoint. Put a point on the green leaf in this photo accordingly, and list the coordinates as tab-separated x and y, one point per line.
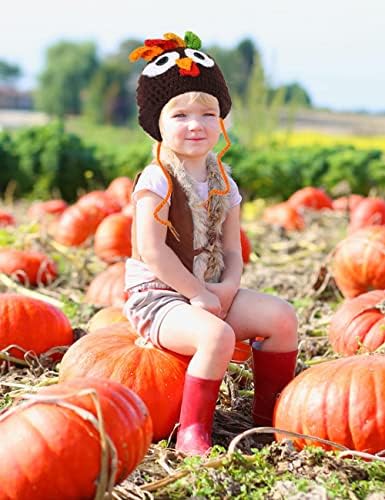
192	41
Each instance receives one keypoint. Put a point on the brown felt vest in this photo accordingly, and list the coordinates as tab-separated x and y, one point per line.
180	217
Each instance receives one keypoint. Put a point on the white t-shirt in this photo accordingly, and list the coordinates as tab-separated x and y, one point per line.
153	179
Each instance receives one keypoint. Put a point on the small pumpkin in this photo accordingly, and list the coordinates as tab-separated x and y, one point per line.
120	189
107	288
245	247
358	261
100	200
369	212
6	219
105	317
310	197
41	209
359	323
112	240
27	266
31	324
347	203
117	353
76	224
284	215
51	443
342	401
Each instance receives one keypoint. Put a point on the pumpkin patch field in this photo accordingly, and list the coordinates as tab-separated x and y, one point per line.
89	410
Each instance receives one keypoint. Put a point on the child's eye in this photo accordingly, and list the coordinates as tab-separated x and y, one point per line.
209	114
179	115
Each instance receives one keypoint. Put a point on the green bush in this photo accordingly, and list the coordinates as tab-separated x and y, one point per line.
52	160
46	161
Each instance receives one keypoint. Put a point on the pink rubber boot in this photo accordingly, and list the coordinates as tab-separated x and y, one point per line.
197	414
272	372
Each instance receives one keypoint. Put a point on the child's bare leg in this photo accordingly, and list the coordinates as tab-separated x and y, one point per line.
194	331
255	314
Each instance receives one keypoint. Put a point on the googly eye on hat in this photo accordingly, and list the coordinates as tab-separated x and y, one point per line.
175	66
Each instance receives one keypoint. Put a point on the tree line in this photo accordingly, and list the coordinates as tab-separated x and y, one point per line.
76	80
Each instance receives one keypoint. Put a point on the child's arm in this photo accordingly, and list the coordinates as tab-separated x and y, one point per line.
161	260
231	276
232	249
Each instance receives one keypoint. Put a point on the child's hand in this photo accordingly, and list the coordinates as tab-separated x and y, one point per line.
208	301
225	294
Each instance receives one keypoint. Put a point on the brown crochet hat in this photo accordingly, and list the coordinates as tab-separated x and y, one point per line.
175	66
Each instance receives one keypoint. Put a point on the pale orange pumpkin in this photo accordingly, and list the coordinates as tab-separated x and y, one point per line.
112	240
107	288
120	189
358	261
284	215
117	353
105	317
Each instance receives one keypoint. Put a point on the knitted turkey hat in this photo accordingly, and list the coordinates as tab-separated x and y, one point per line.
175	66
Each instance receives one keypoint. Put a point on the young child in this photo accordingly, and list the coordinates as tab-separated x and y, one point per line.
183	280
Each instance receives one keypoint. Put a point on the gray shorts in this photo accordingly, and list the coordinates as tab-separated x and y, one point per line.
147	307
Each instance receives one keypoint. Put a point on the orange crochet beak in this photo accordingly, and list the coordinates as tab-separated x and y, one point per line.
187	67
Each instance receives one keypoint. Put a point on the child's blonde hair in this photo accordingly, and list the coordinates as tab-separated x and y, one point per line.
199	97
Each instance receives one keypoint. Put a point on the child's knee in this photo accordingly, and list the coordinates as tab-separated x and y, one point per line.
219	339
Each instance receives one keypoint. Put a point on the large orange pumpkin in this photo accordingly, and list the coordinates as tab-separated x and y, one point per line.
32	325
120	189
107	288
284	215
117	353
341	400
359	323
310	197
369	212
358	263
113	238
111	315
27	266
50	448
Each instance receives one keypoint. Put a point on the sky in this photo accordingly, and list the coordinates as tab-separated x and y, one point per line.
334	48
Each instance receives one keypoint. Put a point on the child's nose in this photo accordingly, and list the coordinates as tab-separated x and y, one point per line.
194	124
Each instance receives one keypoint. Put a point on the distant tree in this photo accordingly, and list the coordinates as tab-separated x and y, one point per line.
292	93
69	69
9	72
236	63
110	96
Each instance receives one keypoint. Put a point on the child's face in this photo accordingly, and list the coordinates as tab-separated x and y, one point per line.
190	129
